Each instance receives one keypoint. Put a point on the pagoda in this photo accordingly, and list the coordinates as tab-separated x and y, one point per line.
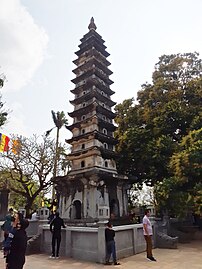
93	189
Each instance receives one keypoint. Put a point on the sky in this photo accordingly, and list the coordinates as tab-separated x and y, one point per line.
39	38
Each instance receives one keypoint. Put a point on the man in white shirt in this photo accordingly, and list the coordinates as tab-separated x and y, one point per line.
34	215
147	229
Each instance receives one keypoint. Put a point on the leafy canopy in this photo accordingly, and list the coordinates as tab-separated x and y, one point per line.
159	136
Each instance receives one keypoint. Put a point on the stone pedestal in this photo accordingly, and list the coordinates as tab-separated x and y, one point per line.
22	211
43	213
103	212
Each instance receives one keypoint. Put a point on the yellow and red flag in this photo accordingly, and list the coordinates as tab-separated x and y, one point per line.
4	141
16	146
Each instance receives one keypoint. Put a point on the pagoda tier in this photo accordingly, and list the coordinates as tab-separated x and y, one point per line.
93	45
92	54
92	39
92	62
89	35
92	81
101	123
94	150
96	73
93	93
84	110
96	172
95	135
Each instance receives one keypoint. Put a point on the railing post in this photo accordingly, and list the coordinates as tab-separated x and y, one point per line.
101	244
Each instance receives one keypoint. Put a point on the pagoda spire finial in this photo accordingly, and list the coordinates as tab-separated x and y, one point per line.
92	25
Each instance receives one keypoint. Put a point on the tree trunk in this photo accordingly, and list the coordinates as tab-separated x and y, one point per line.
55	164
28	207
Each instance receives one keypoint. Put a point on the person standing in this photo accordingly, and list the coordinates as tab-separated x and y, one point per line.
55	227
34	215
16	256
51	216
147	229
7	226
7	223
110	244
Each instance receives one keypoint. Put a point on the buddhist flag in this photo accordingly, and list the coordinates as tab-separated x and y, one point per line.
4	140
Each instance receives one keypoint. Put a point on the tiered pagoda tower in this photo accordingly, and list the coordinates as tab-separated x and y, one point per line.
94	188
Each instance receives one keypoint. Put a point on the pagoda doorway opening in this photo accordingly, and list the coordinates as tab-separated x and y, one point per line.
76	209
114	208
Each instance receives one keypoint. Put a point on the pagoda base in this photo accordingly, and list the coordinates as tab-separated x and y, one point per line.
95	195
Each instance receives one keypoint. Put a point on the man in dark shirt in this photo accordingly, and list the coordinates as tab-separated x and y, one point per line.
16	257
55	228
51	216
110	244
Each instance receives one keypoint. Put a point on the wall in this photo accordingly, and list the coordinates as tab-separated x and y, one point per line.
84	243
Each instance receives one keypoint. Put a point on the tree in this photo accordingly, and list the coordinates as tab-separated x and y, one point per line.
183	191
141	197
171	199
3	113
16	200
1	82
166	111
186	166
59	120
29	169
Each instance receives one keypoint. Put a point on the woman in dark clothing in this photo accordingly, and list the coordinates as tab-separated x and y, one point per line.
16	256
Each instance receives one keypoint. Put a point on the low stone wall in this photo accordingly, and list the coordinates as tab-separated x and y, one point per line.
33	228
85	243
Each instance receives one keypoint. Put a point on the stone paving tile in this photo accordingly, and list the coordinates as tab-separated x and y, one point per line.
187	256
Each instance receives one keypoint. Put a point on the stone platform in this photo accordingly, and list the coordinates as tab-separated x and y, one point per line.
187	256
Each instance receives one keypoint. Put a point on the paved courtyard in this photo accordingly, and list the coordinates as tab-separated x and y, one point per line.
187	256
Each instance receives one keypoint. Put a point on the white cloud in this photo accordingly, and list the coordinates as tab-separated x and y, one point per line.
23	44
15	123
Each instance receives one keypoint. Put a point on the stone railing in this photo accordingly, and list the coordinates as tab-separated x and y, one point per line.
86	243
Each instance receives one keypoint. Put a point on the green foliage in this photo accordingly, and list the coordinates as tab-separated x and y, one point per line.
185	189
186	164
151	131
172	199
59	119
28	171
3	113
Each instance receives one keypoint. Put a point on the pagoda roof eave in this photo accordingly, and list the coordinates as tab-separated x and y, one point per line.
104	111
90	33
96	134
95	170
106	153
82	110
96	54
89	73
93	45
92	82
90	95
92	39
104	124
110	126
89	63
102	173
